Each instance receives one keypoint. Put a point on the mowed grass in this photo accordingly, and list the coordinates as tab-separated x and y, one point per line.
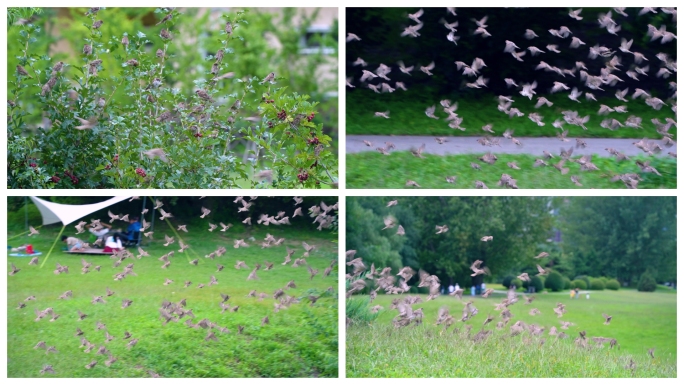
640	321
407	116
301	341
374	170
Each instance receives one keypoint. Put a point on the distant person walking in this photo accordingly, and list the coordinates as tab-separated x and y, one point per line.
572	294
577	292
451	289
472	291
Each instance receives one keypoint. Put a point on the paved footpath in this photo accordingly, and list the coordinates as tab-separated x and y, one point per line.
469	144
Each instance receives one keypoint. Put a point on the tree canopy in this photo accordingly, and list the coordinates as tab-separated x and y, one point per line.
617	237
518	225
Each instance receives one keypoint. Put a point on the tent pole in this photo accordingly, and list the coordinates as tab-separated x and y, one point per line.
154	213
53	245
20	234
142	217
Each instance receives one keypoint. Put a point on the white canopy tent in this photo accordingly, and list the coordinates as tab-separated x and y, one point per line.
57	212
66	214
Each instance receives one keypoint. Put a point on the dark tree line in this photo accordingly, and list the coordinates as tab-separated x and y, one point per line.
517	224
616	237
380	29
621	237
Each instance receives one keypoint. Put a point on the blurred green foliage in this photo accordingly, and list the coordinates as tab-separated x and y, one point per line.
209	145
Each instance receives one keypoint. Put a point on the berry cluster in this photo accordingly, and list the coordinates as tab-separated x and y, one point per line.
269	101
313	141
311	117
116	158
198	135
282	115
55	179
33	163
303	176
270	124
140	172
74	180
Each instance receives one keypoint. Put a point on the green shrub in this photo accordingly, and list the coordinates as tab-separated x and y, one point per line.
647	282
586	279
507	281
597	284
613	284
605	280
536	282
358	310
128	116
554	281
579	284
517	282
567	283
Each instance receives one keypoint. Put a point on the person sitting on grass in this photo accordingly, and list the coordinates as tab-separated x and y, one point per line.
113	243
73	243
132	230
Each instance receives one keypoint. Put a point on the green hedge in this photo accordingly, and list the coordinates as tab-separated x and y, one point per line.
517	282
507	281
597	284
580	284
567	283
554	282
647	282
586	279
536	282
613	284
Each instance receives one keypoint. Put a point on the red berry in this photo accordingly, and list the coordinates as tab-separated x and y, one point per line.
282	115
33	165
55	179
108	167
140	172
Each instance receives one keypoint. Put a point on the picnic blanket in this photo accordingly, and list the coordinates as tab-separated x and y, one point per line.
23	251
35	254
89	251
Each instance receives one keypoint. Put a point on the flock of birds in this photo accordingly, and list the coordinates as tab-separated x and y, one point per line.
608	77
175	312
386	281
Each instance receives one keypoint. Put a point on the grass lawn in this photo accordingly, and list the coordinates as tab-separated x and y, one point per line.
300	341
374	170
407	115
641	321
